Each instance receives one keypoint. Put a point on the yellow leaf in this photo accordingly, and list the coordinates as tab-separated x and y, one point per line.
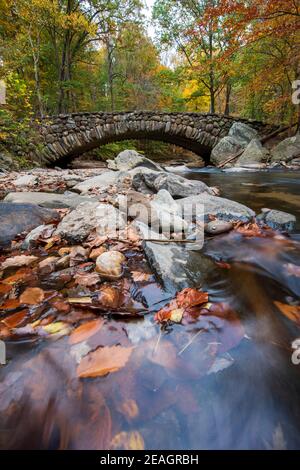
176	315
128	441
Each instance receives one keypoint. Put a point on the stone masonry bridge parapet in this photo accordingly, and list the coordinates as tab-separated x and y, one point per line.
67	136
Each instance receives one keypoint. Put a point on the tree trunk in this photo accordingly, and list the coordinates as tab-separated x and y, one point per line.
110	72
36	68
227	98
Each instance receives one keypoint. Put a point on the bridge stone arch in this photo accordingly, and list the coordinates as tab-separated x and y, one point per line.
67	136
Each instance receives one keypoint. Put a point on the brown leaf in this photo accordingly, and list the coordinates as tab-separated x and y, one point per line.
32	296
22	275
5	288
10	304
78	254
97	252
129	409
87	279
103	361
16	319
290	311
190	297
83	332
138	276
18	261
47	266
109	297
61	306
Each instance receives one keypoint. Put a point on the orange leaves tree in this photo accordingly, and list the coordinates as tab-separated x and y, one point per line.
264	40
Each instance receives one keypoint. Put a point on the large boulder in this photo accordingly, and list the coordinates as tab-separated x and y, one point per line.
19	218
149	181
221	208
178	186
77	225
176	267
50	200
253	153
242	133
288	149
224	149
102	182
278	220
239	136
129	159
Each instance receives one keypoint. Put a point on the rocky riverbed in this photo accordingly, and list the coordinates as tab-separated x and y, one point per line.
98	268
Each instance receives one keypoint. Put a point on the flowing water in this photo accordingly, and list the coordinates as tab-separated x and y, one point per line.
222	380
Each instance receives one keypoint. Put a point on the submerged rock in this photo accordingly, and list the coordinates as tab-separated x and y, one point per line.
177	267
278	220
18	218
50	200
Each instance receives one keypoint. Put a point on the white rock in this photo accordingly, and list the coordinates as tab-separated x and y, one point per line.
25	180
101	182
110	264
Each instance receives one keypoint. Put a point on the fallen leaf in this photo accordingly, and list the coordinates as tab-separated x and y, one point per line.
18	261
56	327
78	254
22	275
163	315
80	300
97	252
253	230
138	276
10	304
61	306
132	440
47	266
87	279
32	296
85	331
129	409
109	297
65	250
176	315
290	311
223	265
5	288
103	361
16	319
190	297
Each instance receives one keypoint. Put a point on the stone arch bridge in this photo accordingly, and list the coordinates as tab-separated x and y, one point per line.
67	136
